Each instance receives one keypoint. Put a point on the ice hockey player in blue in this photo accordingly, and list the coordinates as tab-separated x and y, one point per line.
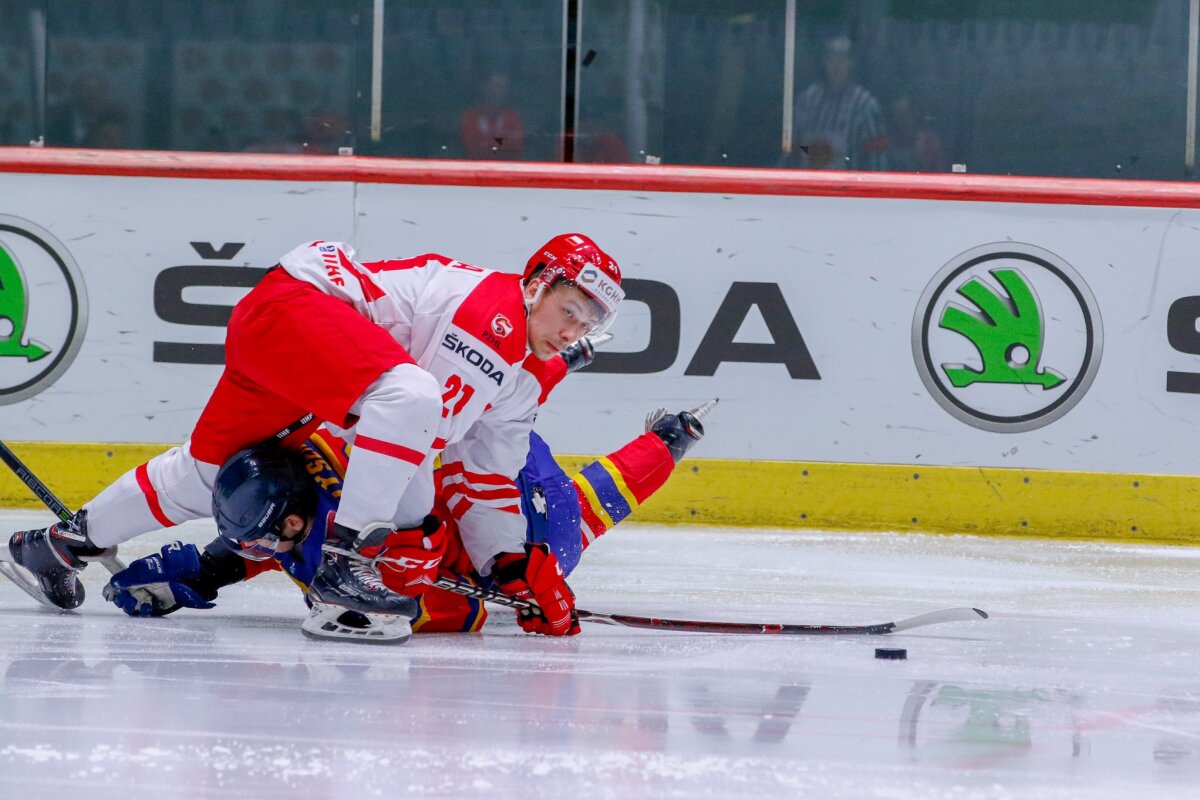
272	509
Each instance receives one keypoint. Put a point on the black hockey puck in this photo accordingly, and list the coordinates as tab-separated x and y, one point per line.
891	653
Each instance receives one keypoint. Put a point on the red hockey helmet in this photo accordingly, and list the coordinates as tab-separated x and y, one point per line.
576	258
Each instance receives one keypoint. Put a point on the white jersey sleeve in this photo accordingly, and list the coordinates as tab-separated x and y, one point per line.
330	267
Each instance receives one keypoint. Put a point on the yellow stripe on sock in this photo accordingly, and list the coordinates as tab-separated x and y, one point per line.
423	617
593	500
619	480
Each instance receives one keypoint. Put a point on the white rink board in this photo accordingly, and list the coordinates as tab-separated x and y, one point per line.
851	271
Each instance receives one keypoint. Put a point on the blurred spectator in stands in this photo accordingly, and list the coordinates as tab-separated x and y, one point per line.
839	124
594	144
596	140
916	147
87	118
493	129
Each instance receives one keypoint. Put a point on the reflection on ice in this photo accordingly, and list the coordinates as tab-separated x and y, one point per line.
1082	684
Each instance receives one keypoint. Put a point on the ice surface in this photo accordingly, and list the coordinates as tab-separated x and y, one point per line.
1084	683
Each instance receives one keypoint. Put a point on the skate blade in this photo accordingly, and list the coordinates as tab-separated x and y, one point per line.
23	578
322	623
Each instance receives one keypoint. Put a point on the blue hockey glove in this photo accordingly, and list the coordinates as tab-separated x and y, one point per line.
156	585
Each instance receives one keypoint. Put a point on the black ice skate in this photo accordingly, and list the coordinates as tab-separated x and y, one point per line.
350	580
679	431
54	556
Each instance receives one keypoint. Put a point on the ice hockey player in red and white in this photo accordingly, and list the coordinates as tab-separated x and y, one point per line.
410	358
566	514
264	489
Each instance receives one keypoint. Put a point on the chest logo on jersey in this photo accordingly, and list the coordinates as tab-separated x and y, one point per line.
473	357
501	326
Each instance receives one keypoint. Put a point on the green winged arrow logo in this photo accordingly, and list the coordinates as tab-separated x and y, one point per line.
1007	331
15	311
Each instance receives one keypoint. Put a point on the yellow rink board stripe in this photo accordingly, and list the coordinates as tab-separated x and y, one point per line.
1161	509
74	472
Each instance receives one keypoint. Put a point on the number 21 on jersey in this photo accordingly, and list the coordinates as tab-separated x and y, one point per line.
456	396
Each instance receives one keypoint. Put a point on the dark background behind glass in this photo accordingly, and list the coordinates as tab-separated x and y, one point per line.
1055	87
440	54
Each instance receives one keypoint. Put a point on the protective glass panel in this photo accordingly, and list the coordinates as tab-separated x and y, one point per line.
22	23
464	79
1071	88
682	83
252	76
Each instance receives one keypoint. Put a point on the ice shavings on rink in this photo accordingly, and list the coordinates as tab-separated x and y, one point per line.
1083	683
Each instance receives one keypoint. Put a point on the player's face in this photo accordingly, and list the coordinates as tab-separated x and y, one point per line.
562	315
291	532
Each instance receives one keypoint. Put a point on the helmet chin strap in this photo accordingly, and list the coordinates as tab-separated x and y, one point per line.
530	302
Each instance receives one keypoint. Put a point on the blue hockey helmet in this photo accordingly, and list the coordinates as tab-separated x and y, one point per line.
253	492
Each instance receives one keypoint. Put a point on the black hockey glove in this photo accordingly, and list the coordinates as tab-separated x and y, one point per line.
581	353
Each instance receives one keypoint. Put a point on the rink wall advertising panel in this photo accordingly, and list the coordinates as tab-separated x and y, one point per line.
946	353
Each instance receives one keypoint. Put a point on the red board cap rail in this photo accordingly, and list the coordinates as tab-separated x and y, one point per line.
633	177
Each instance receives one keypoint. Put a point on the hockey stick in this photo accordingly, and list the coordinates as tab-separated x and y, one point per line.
39	489
107	557
8	567
114	565
694	626
59	508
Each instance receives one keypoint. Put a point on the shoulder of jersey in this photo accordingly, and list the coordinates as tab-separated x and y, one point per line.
326	457
415	262
548	374
494	313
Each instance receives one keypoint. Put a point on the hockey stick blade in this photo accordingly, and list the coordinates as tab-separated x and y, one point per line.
694	626
108	559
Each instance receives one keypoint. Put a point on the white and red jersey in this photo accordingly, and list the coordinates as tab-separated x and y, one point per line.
465	326
478	474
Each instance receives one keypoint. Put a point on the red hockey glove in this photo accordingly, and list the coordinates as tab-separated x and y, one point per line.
535	575
410	557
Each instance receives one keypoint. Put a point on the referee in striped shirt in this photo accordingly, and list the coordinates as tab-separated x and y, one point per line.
839	124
